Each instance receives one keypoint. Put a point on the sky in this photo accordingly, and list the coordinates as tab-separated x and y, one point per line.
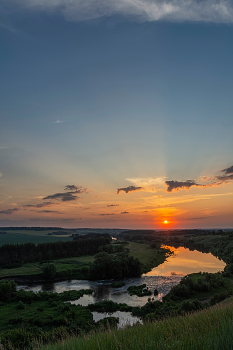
116	114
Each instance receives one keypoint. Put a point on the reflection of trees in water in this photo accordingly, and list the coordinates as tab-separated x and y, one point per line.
48	287
101	292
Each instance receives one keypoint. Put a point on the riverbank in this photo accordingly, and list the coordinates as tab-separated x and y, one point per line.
78	267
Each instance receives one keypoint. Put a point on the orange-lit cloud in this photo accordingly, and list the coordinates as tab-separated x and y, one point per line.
149	184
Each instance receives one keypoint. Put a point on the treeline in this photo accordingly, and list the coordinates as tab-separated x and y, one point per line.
121	265
142	236
11	254
30	228
220	246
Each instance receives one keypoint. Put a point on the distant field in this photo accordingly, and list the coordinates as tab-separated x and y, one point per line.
34	236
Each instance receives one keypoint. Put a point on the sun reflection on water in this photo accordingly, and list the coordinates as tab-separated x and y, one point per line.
184	261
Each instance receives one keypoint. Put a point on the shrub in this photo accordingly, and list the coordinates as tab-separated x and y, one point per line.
189	306
7	290
140	291
20	305
49	271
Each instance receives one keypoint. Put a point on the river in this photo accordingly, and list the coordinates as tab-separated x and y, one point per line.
163	278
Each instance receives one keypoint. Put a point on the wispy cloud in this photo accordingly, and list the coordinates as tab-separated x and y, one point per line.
59	121
124	212
219	11
146	181
167	202
112	205
40	205
107	214
69	195
48	211
129	189
149	184
9	28
9	211
198	218
50	219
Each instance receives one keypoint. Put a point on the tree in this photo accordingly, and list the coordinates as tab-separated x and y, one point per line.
49	270
7	289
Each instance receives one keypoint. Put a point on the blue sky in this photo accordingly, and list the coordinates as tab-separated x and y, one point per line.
111	94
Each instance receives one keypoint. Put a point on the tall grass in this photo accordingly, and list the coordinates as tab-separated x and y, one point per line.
207	329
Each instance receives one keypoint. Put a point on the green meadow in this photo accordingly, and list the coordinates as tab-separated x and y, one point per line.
34	236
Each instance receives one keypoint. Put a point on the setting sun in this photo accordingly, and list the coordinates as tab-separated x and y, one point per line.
165	222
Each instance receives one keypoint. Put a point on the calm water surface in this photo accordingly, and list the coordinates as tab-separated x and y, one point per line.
184	261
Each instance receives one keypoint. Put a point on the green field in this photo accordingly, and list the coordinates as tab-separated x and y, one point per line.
62	265
34	236
147	255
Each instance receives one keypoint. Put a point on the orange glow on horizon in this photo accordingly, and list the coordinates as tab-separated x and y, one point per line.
169	224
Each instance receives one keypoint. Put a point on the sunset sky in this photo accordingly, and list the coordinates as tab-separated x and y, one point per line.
116	113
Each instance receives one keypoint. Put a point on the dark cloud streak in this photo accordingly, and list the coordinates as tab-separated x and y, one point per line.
129	189
47	211
41	205
107	214
228	170
9	211
64	197
214	181
177	185
68	196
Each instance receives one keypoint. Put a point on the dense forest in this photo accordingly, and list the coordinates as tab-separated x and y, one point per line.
29	252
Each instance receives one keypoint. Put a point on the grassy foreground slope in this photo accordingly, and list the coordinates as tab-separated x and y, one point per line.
207	329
